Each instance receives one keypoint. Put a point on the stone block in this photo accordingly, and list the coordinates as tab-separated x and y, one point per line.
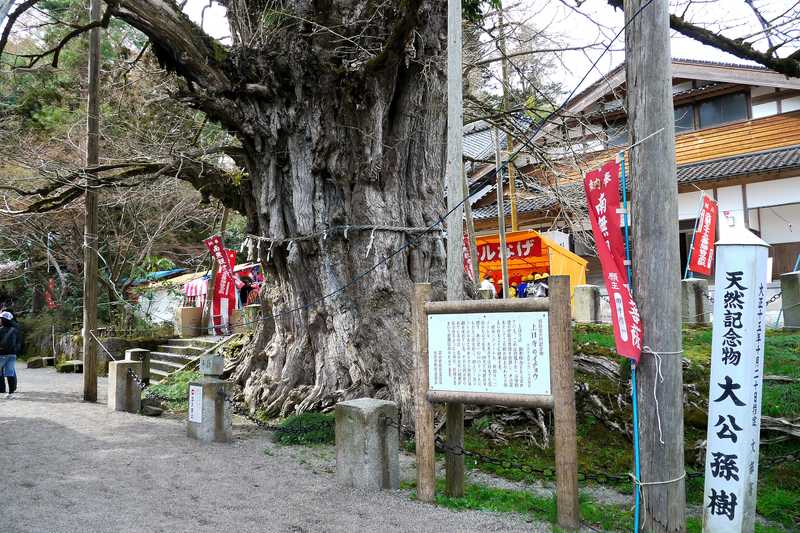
124	393
209	417
790	299
485	294
35	362
212	365
695	308
143	356
70	367
586	304
188	321
235	321
367	447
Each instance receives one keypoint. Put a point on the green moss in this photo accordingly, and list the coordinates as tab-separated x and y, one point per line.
175	388
307	428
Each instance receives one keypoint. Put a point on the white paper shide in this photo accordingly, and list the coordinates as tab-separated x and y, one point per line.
506	353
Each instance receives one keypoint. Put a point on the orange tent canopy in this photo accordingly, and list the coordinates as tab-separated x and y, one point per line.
553	259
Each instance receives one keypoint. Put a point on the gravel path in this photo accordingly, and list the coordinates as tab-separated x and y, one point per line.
69	466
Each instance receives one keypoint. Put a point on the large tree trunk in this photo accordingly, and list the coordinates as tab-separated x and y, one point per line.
329	149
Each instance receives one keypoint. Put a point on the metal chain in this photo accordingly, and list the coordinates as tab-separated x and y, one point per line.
774	298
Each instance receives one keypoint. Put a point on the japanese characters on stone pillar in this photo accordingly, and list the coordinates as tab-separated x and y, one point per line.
737	363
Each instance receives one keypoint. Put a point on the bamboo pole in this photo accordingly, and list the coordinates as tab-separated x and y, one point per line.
512	182
470	224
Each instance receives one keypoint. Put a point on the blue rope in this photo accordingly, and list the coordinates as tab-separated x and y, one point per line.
634	397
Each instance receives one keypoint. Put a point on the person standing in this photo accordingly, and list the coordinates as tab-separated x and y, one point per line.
10	346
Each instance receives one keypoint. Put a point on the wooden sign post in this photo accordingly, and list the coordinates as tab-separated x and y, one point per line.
515	352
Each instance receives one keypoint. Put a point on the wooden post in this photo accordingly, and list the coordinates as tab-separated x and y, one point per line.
470	224
562	379
512	182
90	226
656	262
426	450
501	214
455	223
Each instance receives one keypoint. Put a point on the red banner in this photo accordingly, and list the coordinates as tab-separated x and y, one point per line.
702	255
602	195
530	247
602	185
214	245
49	291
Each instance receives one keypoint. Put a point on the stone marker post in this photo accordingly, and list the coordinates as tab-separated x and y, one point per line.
694	303
124	393
367	444
209	409
586	304
142	355
790	299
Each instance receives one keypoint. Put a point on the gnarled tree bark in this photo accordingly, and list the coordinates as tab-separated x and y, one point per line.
341	123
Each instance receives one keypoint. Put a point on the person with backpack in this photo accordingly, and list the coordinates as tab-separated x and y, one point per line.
10	346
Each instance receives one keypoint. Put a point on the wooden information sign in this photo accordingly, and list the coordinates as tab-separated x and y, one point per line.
515	352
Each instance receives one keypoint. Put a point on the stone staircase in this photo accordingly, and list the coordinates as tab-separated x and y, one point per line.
176	354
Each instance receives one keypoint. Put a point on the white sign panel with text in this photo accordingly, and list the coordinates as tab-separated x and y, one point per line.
195	403
503	353
734	403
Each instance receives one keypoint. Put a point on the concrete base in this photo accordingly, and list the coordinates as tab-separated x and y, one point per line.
586	304
187	322
790	299
367	448
143	356
211	420
123	392
695	308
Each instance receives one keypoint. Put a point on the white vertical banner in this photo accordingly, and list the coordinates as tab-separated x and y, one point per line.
737	364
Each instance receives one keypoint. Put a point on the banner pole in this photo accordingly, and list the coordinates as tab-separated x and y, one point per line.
634	396
687	274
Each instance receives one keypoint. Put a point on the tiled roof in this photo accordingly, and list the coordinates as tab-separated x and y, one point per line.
766	161
728	167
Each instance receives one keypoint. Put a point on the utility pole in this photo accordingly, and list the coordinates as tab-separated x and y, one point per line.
656	263
455	224
90	250
512	180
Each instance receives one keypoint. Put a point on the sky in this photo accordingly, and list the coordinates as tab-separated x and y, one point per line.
571	28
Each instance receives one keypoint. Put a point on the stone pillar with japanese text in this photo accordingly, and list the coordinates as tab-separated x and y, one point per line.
737	365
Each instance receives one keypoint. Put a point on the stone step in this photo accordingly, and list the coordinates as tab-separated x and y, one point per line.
157	375
182	349
204	342
171	357
165	366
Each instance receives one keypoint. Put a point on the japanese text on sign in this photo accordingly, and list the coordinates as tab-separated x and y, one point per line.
602	194
531	247
735	389
492	352
702	259
195	403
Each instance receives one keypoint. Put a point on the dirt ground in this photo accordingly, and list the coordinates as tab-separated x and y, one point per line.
71	466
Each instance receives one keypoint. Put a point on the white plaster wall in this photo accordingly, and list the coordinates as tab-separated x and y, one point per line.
689	204
780	224
775	192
